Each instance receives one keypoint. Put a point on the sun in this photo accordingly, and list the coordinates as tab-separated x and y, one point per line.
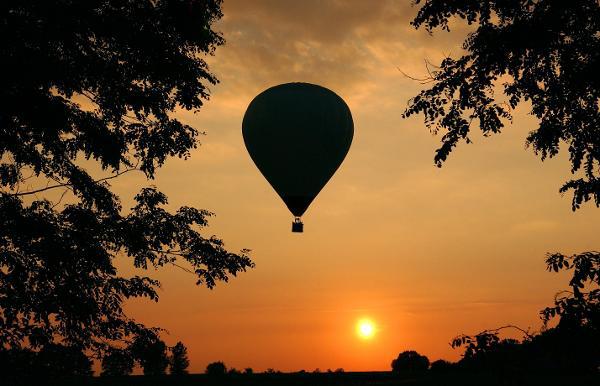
365	329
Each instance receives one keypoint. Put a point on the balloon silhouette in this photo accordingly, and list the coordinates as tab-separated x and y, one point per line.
297	134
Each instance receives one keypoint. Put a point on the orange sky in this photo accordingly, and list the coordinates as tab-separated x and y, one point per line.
425	253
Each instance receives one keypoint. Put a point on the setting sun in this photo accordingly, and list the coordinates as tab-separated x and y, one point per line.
365	328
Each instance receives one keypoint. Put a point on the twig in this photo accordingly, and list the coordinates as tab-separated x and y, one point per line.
526	333
422	81
67	184
61	198
182	268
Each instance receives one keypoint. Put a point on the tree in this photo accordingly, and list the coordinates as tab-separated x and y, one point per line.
410	362
53	360
441	366
569	348
179	361
578	310
577	307
216	369
14	363
59	360
554	69
117	363
151	353
93	85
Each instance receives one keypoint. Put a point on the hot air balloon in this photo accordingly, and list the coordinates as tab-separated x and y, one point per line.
297	134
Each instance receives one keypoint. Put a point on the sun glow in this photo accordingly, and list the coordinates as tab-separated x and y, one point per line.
365	329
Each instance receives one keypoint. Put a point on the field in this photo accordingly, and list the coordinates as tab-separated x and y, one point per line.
324	379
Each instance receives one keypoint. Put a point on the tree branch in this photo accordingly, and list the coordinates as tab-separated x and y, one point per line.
420	80
66	184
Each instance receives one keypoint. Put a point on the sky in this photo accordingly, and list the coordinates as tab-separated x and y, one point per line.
426	253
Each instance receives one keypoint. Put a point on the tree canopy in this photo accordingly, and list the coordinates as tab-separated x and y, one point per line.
117	363
216	369
179	362
410	362
151	353
571	347
91	85
543	52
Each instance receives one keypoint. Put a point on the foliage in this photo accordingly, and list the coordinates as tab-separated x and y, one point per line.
52	360
410	362
248	370
441	366
484	342
92	85
569	348
553	69
117	362
151	353
216	369
179	361
552	351
487	352
576	308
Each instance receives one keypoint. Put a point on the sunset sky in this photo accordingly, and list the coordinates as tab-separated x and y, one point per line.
424	253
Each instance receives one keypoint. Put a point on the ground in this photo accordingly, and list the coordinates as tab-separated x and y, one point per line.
328	379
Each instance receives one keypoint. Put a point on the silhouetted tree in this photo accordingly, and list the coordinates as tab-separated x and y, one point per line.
577	307
569	348
441	367
151	353
51	360
92	85
410	362
179	361
544	52
486	351
578	329
15	363
58	360
117	362
248	370
216	369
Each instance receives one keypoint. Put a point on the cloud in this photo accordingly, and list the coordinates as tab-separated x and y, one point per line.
310	40
353	47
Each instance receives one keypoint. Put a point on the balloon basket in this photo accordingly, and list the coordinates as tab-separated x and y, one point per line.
297	226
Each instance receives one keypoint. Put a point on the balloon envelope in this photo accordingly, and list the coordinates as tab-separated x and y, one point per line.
297	134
